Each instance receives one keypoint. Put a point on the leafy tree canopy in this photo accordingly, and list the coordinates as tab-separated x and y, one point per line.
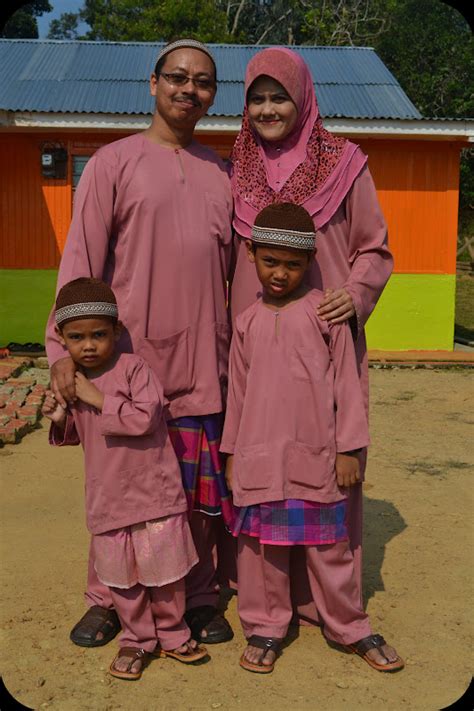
22	24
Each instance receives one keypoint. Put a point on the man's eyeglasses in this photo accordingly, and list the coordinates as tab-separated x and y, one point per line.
182	79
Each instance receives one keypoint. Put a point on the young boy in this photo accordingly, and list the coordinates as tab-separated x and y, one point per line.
295	421
135	502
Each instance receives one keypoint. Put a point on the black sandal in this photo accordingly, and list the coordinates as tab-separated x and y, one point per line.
97	619
206	616
267	644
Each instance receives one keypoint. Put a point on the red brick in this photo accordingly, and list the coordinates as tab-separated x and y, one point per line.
4	419
8	435
21	426
34	399
10	409
3	400
26	382
29	413
5	371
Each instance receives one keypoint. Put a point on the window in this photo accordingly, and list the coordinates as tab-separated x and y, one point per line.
78	165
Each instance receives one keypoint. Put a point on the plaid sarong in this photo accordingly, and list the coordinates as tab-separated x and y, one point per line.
196	442
293	522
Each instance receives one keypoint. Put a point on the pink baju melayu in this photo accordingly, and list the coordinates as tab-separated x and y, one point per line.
135	502
294	402
155	224
329	177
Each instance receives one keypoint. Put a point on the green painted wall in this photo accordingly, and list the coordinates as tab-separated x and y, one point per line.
415	312
26	297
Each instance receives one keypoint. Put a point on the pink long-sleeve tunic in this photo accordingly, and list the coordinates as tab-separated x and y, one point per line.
154	223
294	401
352	251
132	474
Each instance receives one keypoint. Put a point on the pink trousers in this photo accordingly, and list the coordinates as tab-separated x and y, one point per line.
264	600
301	592
212	542
151	616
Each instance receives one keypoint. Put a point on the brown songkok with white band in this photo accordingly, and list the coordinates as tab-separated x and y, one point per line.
85	298
284	225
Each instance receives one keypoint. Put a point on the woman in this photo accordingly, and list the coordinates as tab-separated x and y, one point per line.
284	154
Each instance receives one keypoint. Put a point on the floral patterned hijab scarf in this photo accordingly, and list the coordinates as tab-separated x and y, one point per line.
316	169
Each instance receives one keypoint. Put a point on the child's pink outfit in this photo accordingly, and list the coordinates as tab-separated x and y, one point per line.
294	402
135	503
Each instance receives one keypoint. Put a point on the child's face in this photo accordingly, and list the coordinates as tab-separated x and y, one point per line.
280	271
90	341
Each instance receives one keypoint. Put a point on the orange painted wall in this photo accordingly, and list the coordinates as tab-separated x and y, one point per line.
417	183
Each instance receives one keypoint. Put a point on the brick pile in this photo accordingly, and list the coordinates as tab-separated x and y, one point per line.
22	392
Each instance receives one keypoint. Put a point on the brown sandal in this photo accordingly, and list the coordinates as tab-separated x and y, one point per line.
191	655
267	644
375	641
133	654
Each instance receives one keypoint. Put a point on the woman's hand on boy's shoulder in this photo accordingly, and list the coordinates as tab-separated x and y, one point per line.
87	392
53	410
347	469
337	306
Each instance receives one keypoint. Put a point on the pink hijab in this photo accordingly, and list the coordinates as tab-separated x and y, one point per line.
316	169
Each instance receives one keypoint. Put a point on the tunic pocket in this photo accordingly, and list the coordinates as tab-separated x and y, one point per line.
219	218
308	466
170	359
304	365
251	467
141	486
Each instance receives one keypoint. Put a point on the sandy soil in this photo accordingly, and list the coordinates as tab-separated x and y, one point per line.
418	558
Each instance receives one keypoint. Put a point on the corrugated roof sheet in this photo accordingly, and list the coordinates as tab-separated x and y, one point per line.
112	77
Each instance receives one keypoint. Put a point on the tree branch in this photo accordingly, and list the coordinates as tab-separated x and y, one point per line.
282	17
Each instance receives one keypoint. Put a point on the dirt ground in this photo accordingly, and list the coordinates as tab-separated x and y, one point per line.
418	577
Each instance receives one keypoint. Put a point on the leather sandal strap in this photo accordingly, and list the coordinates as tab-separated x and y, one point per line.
374	641
131	653
266	643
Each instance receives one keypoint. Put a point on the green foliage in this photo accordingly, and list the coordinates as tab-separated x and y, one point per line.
354	23
65	27
430	50
148	20
22	24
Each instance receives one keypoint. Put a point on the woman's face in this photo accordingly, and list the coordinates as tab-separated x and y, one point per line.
271	110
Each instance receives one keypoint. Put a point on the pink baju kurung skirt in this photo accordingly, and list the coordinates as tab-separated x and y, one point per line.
153	553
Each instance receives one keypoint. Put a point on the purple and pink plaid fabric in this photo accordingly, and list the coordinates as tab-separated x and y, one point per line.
196	442
293	522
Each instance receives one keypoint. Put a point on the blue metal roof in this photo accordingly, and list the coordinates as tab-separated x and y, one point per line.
112	77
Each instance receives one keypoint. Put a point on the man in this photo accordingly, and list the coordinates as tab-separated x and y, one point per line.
152	218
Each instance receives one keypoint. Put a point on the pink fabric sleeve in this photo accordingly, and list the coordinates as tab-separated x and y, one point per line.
351	420
137	415
87	242
235	393
61	437
369	255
